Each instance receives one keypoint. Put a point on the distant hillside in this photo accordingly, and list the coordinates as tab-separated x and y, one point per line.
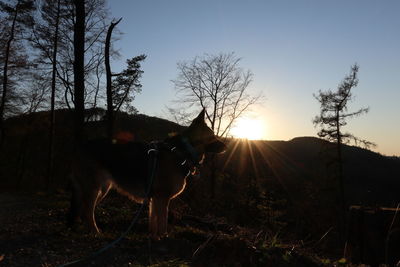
370	178
142	126
299	166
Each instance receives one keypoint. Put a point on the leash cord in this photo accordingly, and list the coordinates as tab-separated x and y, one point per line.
134	221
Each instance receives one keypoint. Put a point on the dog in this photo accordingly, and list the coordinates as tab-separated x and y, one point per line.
154	172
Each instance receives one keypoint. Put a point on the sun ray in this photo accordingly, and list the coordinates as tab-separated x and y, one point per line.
233	150
272	165
253	161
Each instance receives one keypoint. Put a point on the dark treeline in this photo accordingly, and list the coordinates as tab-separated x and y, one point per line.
53	56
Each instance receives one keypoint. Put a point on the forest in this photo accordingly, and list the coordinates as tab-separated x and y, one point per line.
310	201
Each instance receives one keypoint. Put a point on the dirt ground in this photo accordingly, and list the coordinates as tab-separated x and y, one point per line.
33	233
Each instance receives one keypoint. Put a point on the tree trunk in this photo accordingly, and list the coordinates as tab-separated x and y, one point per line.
21	159
342	208
110	113
50	165
79	70
213	175
5	76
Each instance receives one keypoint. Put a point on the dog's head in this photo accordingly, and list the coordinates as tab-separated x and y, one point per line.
202	137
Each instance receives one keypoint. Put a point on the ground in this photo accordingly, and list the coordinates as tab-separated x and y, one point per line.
33	233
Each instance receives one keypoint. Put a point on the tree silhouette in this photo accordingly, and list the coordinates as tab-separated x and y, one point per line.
217	84
121	89
127	84
95	27
18	17
333	117
79	68
45	38
110	110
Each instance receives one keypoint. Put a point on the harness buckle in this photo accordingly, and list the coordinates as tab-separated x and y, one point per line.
151	150
154	148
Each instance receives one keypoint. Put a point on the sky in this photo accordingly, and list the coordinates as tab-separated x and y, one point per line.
293	48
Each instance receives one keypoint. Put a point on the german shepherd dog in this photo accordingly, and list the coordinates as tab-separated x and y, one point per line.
130	168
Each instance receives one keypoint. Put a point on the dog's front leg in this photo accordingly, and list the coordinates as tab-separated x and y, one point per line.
162	218
158	217
153	229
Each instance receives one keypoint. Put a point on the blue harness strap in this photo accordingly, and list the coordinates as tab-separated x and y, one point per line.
194	155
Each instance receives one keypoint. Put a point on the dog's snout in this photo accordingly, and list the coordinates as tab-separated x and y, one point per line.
216	147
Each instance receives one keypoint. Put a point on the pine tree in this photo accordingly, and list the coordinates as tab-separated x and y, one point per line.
333	117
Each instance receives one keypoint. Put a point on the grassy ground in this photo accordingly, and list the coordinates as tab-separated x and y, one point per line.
33	233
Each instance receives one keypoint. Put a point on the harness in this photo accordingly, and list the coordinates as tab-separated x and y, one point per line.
187	156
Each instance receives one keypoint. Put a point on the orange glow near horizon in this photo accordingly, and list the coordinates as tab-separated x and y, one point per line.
249	128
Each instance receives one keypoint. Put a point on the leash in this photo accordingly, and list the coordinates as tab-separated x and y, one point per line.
154	151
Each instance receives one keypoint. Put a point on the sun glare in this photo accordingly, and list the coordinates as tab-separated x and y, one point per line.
252	129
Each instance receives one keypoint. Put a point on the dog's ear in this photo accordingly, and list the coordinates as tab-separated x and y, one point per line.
200	117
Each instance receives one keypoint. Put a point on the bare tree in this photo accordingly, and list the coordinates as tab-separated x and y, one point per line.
56	25
79	68
333	117
45	38
60	16
95	27
18	15
217	84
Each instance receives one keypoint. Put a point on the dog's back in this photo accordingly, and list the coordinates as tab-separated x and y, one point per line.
125	166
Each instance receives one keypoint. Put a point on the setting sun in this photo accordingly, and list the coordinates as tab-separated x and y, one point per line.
252	129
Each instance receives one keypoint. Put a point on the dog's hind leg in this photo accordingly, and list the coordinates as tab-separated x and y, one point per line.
88	207
103	192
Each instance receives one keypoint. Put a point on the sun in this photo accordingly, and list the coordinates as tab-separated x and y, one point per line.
249	128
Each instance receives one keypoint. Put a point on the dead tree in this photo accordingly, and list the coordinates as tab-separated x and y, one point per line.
110	109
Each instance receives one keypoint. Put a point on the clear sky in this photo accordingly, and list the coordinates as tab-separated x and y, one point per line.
294	48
